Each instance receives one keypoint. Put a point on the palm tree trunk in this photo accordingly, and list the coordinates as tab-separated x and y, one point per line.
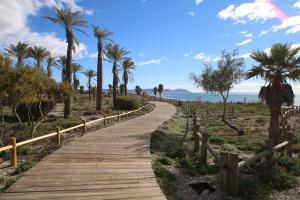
67	102
99	77
20	62
38	64
115	83
274	130
90	89
49	70
125	87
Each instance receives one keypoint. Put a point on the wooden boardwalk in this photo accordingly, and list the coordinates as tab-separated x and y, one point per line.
110	163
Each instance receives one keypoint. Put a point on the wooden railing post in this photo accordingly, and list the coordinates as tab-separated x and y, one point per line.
119	117
269	157
289	147
195	136
13	152
233	174
58	136
223	171
105	122
203	155
84	126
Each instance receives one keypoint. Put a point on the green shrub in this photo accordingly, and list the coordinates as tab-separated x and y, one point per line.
291	165
126	103
23	167
46	107
278	179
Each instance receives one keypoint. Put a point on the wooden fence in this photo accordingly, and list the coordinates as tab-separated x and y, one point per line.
229	163
13	143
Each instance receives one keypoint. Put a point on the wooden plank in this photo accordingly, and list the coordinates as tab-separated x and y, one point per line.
110	163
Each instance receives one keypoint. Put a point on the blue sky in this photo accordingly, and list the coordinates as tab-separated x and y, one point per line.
168	39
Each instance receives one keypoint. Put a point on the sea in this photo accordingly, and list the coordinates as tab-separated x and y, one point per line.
215	98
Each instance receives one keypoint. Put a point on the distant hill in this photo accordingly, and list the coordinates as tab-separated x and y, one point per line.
150	91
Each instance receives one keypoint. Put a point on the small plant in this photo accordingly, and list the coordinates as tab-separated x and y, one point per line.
165	178
126	103
23	167
291	165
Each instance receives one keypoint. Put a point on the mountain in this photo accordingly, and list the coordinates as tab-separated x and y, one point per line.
150	91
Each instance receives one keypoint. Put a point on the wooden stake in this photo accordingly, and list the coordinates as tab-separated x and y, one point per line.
289	147
13	152
233	174
269	157
58	136
119	117
203	155
105	122
223	171
84	126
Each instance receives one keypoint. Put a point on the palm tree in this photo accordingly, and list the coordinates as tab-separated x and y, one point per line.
38	54
110	89
102	36
90	74
61	63
71	21
127	65
138	90
155	91
76	69
277	69
115	54
122	89
19	51
160	89
51	61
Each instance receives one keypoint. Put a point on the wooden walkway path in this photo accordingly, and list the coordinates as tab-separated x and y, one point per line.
110	163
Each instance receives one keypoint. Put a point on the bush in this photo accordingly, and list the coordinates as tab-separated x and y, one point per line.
127	103
291	165
23	167
46	107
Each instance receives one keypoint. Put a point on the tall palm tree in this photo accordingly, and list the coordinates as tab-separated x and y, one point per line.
127	66
155	91
102	36
38	54
90	74
110	89
19	51
160	89
71	21
51	62
138	90
277	69
115	54
76	69
61	63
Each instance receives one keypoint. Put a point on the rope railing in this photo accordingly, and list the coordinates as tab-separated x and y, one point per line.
13	144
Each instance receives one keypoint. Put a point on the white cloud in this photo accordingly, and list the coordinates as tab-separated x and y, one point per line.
291	25
197	2
247	41
245	56
142	54
203	57
258	10
264	32
93	55
192	13
15	27
152	62
188	54
297	4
